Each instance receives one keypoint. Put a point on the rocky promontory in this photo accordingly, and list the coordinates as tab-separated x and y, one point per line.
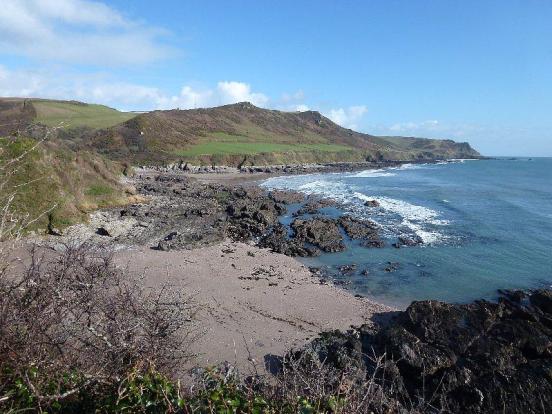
482	357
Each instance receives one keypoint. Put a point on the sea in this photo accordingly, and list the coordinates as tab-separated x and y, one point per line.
485	225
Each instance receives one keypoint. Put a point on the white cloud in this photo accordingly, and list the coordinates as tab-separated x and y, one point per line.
298	95
302	108
432	129
347	117
230	92
77	32
76	11
122	95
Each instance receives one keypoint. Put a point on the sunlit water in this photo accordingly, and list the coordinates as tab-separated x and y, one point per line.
486	225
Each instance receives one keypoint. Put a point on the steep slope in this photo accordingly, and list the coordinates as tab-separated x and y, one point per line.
237	133
15	115
54	185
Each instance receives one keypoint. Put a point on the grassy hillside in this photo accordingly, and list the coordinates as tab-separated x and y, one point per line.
232	134
52	175
77	114
18	114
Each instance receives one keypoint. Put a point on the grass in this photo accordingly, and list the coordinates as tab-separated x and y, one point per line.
53	176
99	190
72	115
252	148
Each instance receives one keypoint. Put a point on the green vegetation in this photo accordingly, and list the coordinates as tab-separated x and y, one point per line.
250	148
227	134
99	190
152	392
224	135
76	114
54	186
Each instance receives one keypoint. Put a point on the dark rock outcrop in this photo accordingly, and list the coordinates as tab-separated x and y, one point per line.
481	357
408	241
365	230
321	232
278	241
313	206
286	197
183	213
372	203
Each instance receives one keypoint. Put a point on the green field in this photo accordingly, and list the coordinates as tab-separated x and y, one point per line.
252	148
71	115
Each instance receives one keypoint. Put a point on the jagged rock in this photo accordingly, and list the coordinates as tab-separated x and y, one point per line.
391	267
372	203
366	230
480	357
321	232
278	241
347	269
313	206
286	197
542	299
408	241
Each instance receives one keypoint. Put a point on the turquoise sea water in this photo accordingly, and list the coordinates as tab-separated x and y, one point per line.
486	224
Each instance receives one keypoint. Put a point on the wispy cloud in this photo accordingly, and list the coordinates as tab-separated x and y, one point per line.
347	117
416	126
76	32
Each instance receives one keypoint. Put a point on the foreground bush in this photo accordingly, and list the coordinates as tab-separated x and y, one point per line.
75	326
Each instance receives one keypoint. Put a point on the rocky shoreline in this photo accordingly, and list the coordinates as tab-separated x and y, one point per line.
283	169
478	357
182	213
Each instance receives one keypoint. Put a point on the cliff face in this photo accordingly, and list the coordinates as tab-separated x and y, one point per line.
226	134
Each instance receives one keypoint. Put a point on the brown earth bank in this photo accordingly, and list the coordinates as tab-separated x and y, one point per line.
220	241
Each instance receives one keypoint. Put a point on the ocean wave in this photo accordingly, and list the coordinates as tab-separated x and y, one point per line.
312	185
395	216
406	210
373	174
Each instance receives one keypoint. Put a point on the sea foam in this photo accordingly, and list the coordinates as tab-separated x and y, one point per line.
420	220
396	217
373	174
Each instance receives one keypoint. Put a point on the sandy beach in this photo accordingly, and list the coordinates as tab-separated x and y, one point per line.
252	303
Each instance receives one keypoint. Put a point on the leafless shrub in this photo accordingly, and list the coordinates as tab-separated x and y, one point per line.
14	223
349	388
79	313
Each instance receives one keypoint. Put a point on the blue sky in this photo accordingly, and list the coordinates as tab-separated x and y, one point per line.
477	71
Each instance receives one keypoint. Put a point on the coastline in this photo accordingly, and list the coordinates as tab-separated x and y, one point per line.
253	303
254	306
